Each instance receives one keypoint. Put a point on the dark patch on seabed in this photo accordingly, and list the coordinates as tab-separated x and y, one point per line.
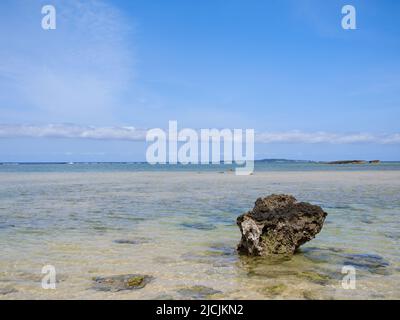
367	220
198	292
221	249
263	268
392	235
132	241
217	255
7	290
198	225
6	225
372	263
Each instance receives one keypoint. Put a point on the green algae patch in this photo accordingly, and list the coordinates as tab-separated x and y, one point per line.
274	290
315	277
135	281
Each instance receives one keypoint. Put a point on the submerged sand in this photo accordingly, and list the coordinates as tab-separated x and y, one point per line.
179	228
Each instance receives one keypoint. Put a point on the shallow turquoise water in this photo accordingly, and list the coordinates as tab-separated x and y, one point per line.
179	227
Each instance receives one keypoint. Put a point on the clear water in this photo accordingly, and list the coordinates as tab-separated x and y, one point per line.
183	232
141	166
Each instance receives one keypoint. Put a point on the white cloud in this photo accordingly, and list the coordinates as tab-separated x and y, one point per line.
135	134
72	131
326	137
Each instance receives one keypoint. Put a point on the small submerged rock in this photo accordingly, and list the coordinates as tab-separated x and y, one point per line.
392	235
366	220
278	224
198	292
131	241
121	282
7	290
198	225
220	249
6	225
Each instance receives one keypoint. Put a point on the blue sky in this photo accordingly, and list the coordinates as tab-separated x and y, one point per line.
286	68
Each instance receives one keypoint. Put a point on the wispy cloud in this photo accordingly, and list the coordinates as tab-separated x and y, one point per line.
72	131
327	137
76	73
136	134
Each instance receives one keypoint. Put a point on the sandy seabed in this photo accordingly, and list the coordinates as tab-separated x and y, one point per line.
179	228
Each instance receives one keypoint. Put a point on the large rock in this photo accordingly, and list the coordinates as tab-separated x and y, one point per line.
278	224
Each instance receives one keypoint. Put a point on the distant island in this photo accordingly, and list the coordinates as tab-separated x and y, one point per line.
285	161
320	162
354	162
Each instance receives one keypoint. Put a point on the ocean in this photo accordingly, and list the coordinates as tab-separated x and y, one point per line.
177	224
276	165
